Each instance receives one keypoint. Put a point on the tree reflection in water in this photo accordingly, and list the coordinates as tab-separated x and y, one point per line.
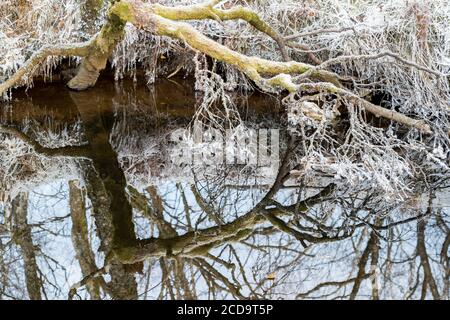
92	208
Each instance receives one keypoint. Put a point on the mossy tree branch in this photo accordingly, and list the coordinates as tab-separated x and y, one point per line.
31	65
208	10
164	21
279	73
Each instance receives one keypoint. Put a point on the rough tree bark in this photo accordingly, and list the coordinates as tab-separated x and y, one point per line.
428	281
105	186
80	237
22	236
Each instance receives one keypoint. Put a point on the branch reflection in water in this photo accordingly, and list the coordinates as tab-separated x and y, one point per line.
94	207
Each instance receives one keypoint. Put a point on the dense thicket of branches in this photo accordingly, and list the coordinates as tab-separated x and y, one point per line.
223	235
365	88
385	59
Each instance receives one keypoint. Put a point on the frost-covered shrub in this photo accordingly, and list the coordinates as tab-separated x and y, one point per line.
28	25
350	35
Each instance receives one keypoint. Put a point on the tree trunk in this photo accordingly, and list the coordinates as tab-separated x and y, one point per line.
80	237
101	47
105	186
422	251
22	236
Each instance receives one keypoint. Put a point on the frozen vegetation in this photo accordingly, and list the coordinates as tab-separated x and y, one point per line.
355	209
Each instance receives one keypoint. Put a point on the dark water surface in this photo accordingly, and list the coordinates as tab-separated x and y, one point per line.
87	182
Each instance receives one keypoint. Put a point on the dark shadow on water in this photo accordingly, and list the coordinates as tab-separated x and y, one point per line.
88	193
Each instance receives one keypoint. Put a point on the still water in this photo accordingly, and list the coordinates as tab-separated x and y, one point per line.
90	192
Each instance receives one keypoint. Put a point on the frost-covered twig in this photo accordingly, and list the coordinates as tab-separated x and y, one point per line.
316	32
368	106
397	57
68	151
19	78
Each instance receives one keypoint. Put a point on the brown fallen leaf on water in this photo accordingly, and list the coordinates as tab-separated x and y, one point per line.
271	276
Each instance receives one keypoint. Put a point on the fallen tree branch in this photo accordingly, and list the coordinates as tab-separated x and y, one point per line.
144	16
304	49
163	21
19	78
378	111
207	10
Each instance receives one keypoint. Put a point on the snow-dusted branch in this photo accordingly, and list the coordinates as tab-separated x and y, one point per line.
27	70
380	55
421	125
164	21
317	32
208	10
68	151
